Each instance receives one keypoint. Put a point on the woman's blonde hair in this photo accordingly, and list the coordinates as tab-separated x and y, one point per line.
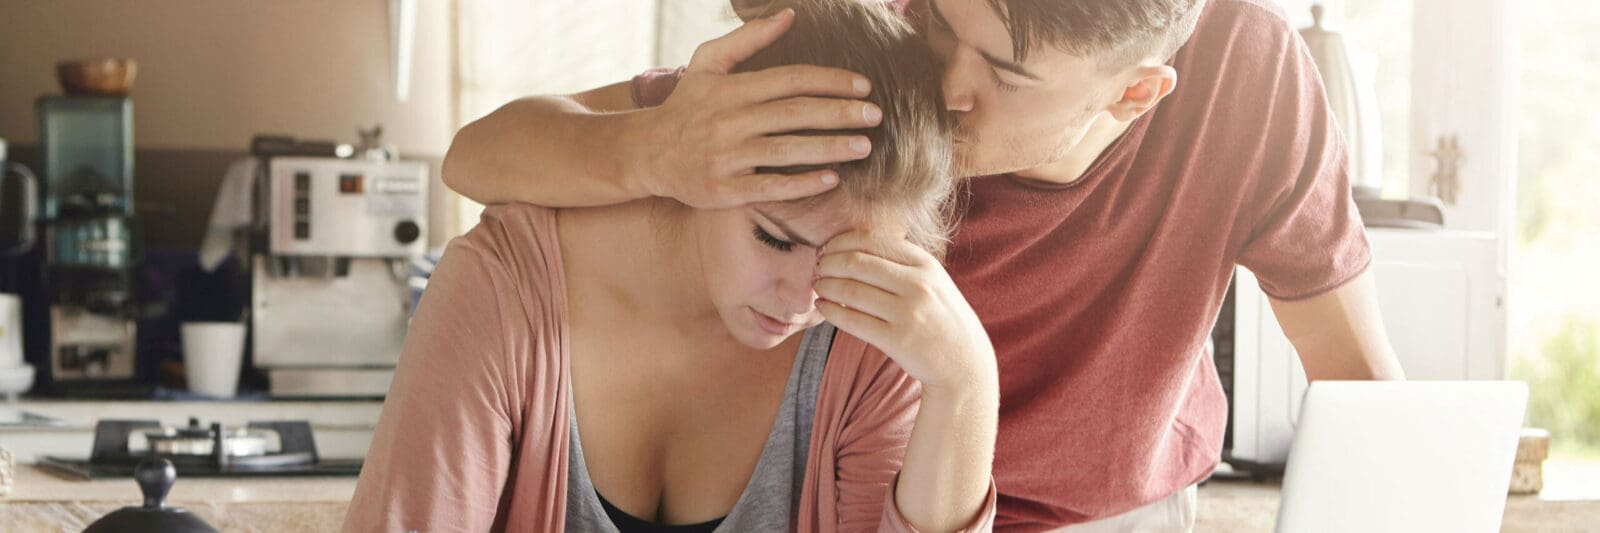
908	174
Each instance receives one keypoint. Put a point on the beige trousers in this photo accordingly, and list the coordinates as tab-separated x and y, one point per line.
1174	514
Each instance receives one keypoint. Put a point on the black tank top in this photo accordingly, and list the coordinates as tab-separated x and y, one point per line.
627	523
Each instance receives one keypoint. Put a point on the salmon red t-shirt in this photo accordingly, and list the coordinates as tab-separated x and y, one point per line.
1099	295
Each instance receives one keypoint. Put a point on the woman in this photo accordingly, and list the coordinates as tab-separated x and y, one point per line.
653	367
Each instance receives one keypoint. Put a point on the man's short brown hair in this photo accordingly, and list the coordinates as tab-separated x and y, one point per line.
1117	33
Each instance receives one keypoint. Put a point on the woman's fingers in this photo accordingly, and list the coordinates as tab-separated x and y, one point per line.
893	247
861	297
866	268
863	326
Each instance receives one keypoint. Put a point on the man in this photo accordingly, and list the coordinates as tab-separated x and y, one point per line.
1124	156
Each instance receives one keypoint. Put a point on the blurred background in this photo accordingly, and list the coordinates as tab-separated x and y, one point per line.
1476	111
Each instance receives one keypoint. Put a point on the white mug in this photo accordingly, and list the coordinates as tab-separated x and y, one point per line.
16	376
212	352
10	330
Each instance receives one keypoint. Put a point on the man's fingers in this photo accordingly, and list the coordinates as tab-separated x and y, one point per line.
789	150
786	81
806	113
859	296
721	54
757	188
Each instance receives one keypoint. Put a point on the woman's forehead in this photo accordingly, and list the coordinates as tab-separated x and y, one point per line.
821	220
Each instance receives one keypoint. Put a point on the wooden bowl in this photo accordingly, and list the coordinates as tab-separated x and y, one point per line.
97	77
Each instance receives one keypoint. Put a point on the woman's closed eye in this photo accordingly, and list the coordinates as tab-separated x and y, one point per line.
771	241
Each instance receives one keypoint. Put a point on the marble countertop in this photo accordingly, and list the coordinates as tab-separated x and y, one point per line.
36	484
79	414
342	429
1253	506
41	501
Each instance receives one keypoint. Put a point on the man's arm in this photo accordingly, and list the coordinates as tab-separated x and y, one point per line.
701	147
1339	334
559	151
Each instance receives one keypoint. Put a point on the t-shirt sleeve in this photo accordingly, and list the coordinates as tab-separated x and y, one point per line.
1307	237
651	87
442	450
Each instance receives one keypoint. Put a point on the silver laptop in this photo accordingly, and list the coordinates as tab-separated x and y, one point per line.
1411	456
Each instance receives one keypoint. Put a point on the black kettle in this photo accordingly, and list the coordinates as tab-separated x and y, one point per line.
155	476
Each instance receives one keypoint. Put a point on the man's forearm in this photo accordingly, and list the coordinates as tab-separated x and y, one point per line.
1340	334
546	150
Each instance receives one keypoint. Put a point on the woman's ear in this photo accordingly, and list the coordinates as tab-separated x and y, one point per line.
749	10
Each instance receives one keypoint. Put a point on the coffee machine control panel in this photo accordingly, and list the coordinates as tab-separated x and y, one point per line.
347	207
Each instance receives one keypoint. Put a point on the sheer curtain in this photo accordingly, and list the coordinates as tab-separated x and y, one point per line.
508	49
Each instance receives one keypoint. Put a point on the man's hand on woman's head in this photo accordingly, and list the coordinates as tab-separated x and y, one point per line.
702	146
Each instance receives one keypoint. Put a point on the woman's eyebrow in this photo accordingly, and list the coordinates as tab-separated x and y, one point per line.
787	232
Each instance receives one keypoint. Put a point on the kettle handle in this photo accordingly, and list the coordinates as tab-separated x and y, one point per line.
30	207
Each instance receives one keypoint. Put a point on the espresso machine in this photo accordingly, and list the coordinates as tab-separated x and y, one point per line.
91	242
335	234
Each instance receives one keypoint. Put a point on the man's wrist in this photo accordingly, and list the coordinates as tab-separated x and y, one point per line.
630	167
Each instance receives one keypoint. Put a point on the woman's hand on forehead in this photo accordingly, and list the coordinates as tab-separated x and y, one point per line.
897	297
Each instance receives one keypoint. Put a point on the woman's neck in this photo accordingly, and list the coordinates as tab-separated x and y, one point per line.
644	257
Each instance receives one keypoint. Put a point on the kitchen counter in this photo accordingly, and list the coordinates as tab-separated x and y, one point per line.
1253	506
43	501
341	429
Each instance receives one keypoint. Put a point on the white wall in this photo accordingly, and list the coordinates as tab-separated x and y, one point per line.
687	23
516	48
214	72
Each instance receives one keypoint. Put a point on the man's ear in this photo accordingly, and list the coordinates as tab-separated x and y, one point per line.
1149	85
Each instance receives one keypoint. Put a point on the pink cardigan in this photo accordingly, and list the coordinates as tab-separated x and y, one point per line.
474	433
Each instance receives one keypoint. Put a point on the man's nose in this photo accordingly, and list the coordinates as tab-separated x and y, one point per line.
958	94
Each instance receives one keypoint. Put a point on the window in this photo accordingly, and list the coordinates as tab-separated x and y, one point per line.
1383	28
1554	289
509	49
1503	75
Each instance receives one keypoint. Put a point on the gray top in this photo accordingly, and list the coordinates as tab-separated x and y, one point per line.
770	498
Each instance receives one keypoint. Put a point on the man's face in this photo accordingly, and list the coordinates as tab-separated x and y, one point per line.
1012	115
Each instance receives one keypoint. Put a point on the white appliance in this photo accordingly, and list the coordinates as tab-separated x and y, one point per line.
1402	456
1441	296
330	295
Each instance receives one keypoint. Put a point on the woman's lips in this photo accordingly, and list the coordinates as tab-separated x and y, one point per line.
772	325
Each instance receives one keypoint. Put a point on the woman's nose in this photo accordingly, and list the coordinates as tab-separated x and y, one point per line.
798	292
